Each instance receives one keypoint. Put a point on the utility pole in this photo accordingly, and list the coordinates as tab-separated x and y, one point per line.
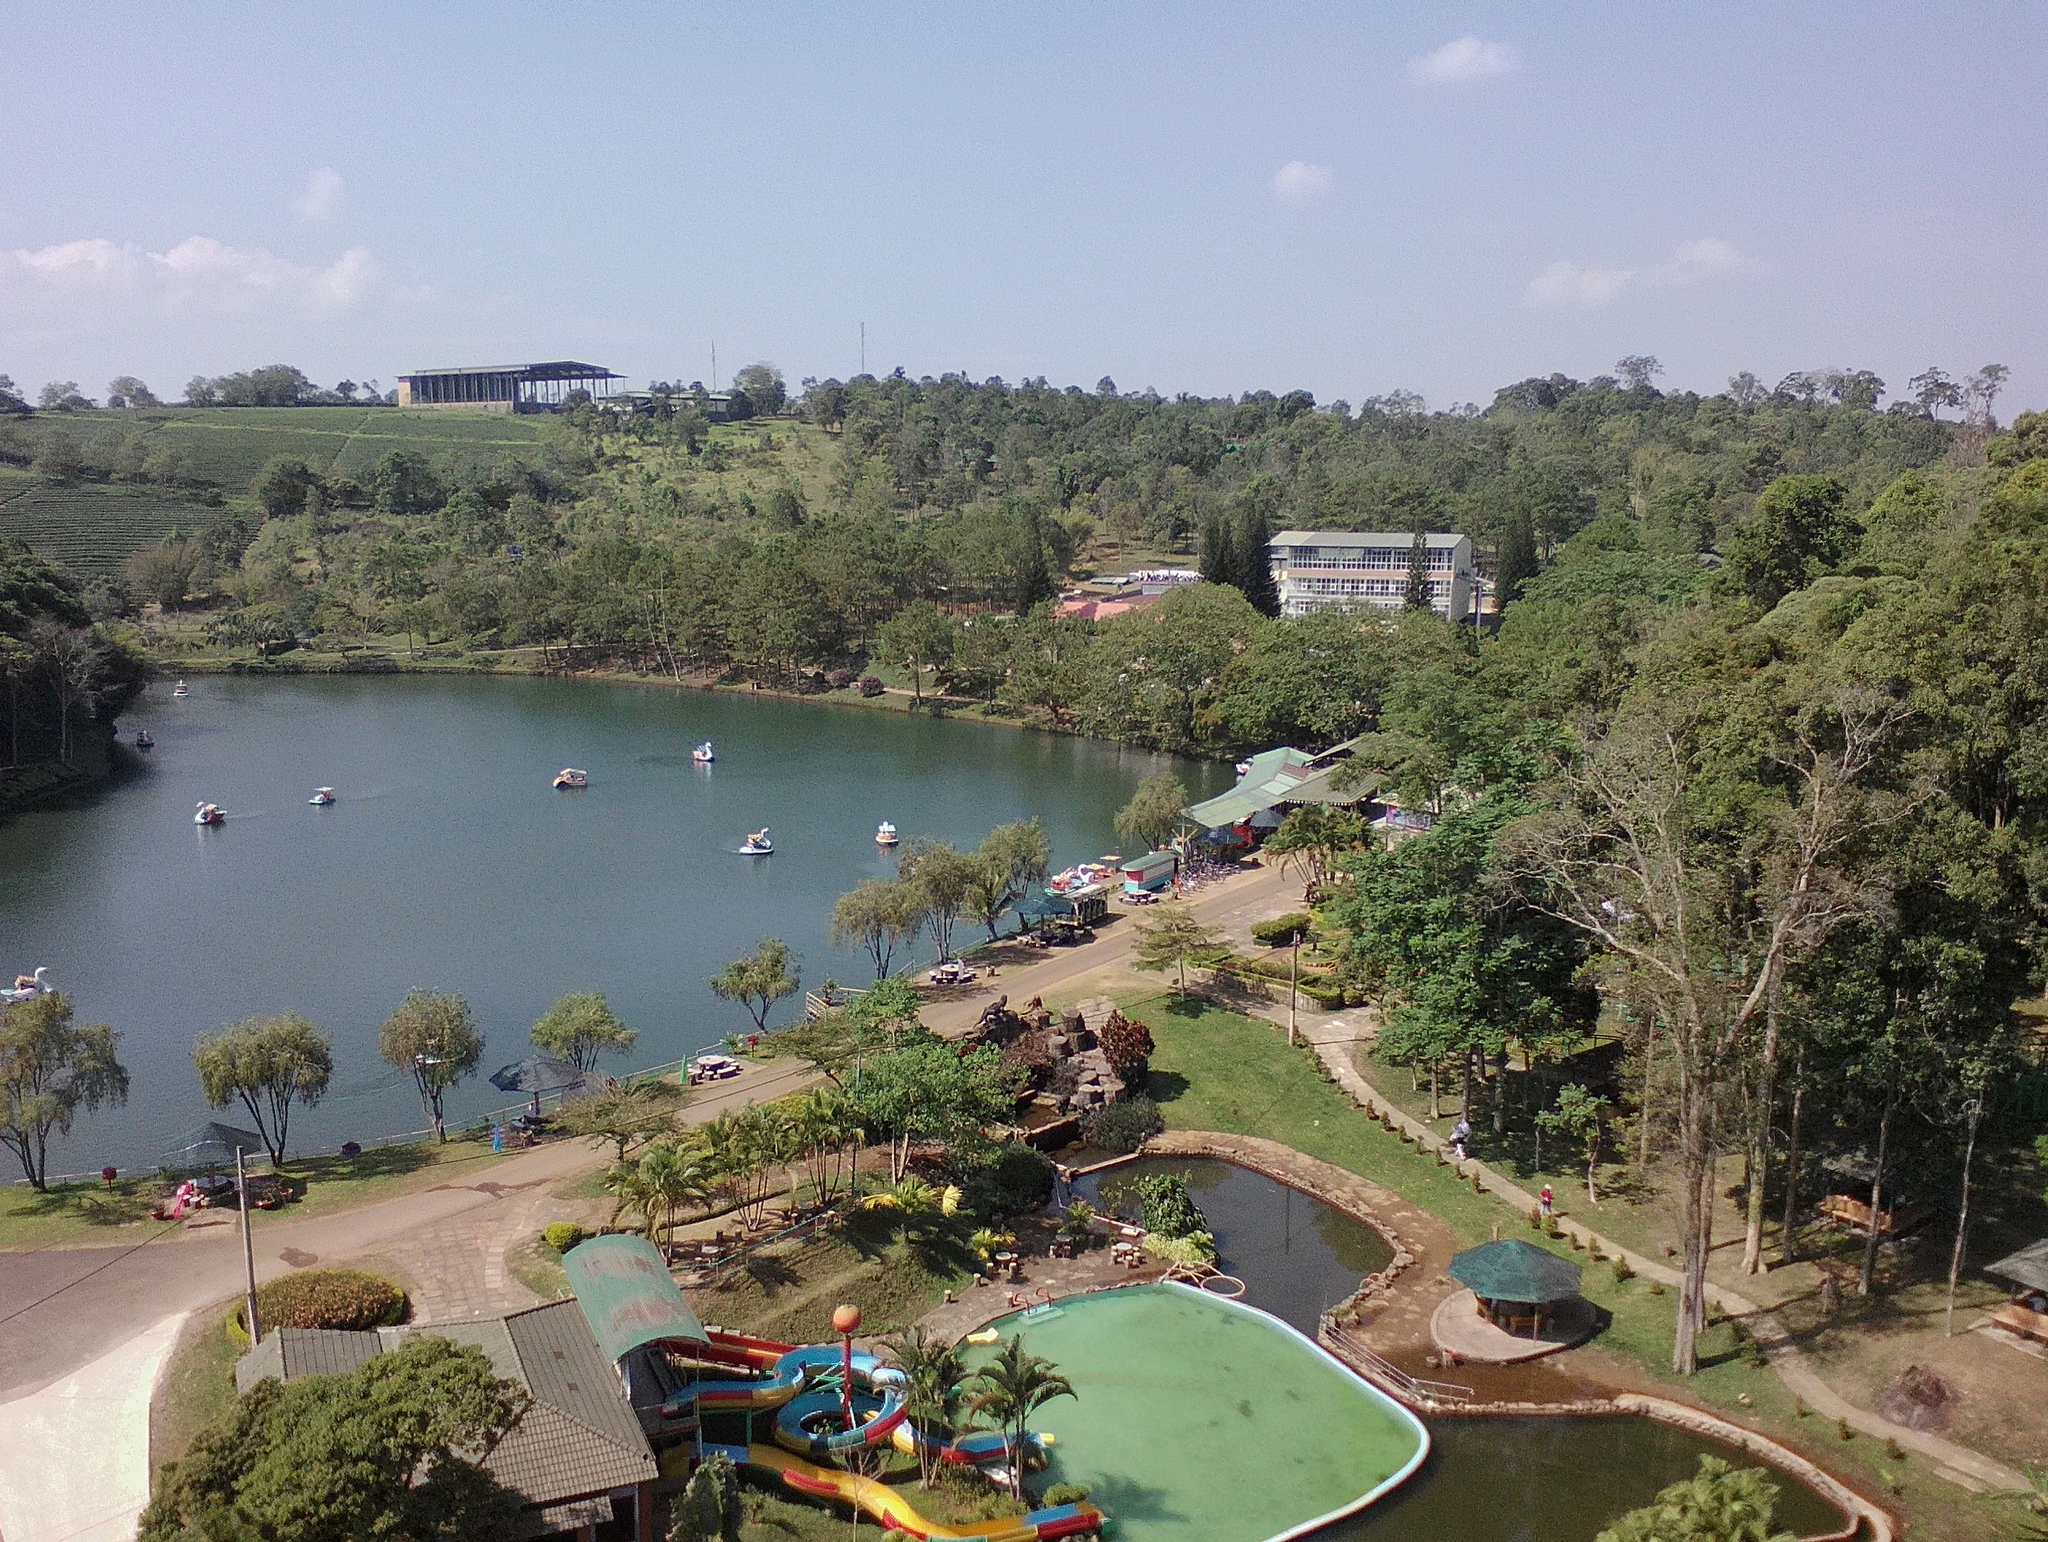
714	366
863	347
248	1253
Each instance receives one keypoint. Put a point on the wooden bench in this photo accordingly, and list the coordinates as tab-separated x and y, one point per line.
2023	1320
1846	1210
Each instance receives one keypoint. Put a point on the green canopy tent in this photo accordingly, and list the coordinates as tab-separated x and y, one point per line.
1516	1281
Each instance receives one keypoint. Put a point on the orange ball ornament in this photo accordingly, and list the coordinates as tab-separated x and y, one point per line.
845	1320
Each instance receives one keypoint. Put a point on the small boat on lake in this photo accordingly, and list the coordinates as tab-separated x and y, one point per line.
143	740
758	844
209	814
704	754
322	796
569	776
27	986
885	834
181	689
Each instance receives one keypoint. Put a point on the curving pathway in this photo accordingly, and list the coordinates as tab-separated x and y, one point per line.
1958	1463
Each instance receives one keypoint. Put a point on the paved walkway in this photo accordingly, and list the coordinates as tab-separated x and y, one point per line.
1959	1464
1230	906
74	1460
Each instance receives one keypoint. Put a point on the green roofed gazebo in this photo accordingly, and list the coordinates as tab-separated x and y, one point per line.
628	1296
1516	1282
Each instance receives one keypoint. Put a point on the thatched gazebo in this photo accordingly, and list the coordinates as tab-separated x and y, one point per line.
1518	1284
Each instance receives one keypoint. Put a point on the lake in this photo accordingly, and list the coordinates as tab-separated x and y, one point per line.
450	863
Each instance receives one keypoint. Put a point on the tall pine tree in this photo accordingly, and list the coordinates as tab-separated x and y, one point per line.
1253	541
1219	549
1416	595
1517	559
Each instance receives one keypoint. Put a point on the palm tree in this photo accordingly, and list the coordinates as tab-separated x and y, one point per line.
665	1179
1008	1390
932	1370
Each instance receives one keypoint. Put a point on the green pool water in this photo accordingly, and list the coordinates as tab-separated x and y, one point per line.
1202	1421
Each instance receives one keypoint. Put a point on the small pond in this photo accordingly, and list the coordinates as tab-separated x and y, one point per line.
1486	1479
1297	1256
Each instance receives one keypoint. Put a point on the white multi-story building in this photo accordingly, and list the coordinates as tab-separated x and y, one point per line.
1349	569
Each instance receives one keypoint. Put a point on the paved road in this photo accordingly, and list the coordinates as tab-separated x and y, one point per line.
1230	906
62	1308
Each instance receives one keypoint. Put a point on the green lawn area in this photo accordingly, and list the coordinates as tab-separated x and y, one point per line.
788	1293
93	1215
1214	1069
198	1386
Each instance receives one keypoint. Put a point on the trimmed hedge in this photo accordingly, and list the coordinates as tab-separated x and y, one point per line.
329	1298
561	1235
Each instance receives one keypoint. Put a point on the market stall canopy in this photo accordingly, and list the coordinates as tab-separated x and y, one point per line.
2029	1266
1514	1270
627	1295
1044	907
213	1145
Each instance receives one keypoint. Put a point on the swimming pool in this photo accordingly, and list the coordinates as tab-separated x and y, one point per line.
1202	1420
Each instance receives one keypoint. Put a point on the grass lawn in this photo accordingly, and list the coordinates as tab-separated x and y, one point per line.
537	1266
1217	1070
91	1214
788	1293
198	1385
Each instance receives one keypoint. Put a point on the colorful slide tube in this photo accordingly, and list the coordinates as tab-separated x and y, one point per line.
887	1505
880	1425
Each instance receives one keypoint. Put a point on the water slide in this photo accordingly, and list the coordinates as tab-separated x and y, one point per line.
885	1504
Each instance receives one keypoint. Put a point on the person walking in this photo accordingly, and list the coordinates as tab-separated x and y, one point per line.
1544	1200
1461	1132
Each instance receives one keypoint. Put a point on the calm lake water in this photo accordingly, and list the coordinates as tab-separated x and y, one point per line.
1297	1256
450	863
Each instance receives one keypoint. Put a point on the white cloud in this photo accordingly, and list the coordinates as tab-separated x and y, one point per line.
1568	286
1694	261
1467	59
1300	182
1581	287
199	274
321	197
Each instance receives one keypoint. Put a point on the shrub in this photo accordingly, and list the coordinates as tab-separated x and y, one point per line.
1063	1494
840	679
329	1298
1535	1218
1622	1272
1128	1048
561	1235
1010	1181
1281	930
1656	1287
1168	1208
870	686
1197	1247
1123	1126
1842	1429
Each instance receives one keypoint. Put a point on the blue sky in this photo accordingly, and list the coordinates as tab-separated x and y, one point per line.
1345	198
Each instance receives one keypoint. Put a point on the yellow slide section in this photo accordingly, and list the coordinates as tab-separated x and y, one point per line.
878	1500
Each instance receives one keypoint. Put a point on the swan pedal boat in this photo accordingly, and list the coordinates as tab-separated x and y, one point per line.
703	754
757	845
181	689
143	741
209	814
27	986
322	796
569	776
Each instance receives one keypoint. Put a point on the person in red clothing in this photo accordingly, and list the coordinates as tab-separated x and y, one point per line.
1543	1199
